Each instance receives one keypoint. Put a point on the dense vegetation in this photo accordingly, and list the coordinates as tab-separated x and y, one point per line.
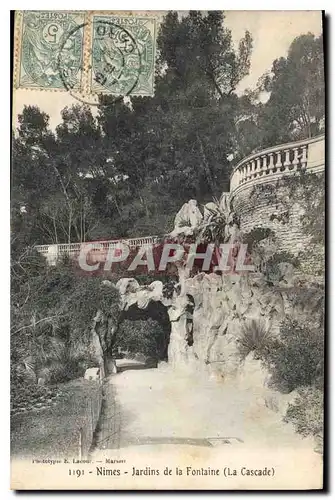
126	169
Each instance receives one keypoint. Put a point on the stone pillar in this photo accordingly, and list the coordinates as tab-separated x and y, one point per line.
316	154
287	162
52	255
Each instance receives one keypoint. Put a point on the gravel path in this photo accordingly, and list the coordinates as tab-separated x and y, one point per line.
160	405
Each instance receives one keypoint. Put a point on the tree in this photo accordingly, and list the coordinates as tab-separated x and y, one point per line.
198	49
31	177
248	132
55	176
196	97
114	174
295	109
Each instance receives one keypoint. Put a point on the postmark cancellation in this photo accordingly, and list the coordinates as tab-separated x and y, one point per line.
122	55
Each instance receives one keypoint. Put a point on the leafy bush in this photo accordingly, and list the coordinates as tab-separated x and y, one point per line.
310	189
213	229
25	394
296	358
260	243
52	325
262	191
184	223
141	336
306	412
272	269
254	337
257	235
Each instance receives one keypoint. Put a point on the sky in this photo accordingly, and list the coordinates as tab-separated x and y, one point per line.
272	32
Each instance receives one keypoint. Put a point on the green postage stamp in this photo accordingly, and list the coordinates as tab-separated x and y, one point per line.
85	52
123	55
51	50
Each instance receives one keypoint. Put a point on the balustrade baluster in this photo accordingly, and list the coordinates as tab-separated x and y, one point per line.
247	168
271	163
251	168
244	173
264	165
236	178
295	161
287	161
279	162
304	157
258	167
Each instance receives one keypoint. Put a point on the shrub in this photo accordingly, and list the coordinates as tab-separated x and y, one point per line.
254	337
260	242
272	269
141	337
306	412
296	358
257	235
310	189
52	323
213	229
184	223
57	359
308	301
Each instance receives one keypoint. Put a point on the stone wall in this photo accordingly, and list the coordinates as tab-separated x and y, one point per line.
272	205
262	196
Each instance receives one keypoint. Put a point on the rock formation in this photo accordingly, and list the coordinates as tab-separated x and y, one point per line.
221	305
208	311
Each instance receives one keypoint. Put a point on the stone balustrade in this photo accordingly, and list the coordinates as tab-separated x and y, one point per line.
53	252
272	163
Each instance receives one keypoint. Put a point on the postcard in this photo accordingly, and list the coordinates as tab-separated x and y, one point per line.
167	250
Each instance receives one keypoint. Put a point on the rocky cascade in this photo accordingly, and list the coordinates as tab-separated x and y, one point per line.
208	312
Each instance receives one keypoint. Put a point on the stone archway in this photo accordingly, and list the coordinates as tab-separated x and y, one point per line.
157	312
178	307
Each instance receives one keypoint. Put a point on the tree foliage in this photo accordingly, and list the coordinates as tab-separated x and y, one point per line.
117	173
295	109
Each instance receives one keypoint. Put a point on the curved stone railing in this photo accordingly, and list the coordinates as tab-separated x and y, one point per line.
71	249
278	161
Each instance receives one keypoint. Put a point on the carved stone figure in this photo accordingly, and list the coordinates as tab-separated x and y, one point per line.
187	219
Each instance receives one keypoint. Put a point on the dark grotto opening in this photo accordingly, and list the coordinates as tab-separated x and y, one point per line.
145	331
189	320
